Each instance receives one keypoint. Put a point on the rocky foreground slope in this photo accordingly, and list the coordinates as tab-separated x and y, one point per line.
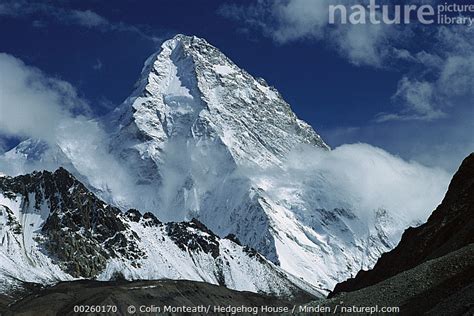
431	271
61	299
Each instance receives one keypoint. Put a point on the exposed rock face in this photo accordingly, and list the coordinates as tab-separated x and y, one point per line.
52	228
449	228
186	237
81	232
440	286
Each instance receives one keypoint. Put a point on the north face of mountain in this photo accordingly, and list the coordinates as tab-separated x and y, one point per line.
199	131
190	90
449	228
201	138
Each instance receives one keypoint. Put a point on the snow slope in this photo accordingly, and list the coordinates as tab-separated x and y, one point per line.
201	138
53	229
209	134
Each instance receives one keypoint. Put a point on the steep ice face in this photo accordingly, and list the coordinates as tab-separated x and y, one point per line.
203	129
190	89
194	118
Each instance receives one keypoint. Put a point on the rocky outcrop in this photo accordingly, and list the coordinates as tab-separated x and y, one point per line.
53	228
81	232
194	236
441	286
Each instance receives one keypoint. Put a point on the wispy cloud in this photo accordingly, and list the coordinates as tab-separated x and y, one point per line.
98	65
88	18
444	78
50	12
418	99
436	77
295	20
36	106
32	104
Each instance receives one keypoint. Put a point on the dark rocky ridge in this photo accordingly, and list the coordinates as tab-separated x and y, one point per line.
449	228
61	298
186	237
441	286
81	231
81	234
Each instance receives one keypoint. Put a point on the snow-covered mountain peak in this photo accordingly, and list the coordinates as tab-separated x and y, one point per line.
189	89
201	138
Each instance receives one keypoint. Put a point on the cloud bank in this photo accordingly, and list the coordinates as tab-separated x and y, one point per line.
36	106
31	104
369	178
50	112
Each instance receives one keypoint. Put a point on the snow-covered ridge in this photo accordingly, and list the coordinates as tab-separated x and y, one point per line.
205	130
52	228
201	138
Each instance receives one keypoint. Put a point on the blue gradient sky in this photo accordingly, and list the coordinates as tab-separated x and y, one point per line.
99	47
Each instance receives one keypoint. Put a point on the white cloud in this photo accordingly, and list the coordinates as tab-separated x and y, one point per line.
363	44
457	75
361	177
31	103
445	80
286	21
299	19
419	100
38	107
442	143
445	67
88	18
376	178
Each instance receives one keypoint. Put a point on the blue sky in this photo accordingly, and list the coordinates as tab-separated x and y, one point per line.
407	89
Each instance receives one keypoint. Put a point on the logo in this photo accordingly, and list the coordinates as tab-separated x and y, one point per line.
427	14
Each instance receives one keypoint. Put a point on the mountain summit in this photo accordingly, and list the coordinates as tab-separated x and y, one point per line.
190	90
203	133
200	138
